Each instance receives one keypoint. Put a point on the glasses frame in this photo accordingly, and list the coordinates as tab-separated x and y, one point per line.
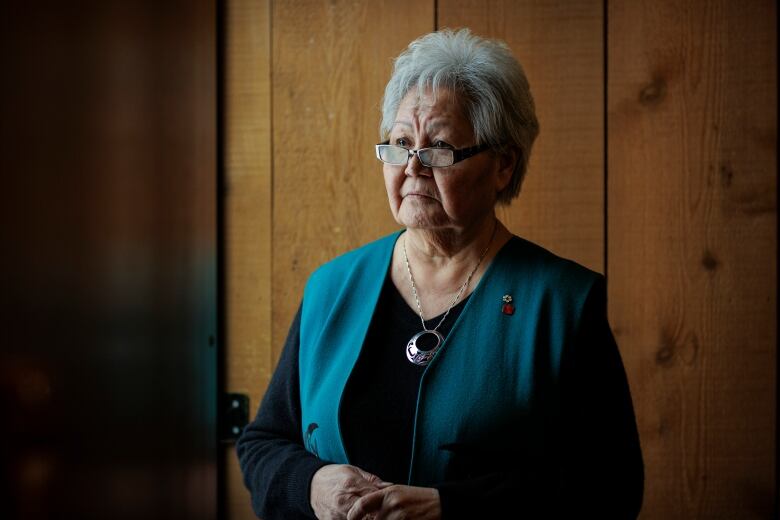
457	154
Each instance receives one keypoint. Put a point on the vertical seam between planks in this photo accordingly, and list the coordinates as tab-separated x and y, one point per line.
220	232
605	108
272	197
777	314
776	505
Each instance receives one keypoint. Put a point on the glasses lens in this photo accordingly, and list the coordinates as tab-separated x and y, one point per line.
437	157
392	154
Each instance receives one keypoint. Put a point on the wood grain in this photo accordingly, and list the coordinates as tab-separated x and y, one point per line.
560	46
692	247
247	212
331	61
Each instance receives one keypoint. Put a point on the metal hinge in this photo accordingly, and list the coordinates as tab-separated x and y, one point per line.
234	416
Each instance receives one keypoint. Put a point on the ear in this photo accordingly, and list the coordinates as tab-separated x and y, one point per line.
506	167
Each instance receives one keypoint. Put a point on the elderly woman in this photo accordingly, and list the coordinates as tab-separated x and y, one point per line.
451	369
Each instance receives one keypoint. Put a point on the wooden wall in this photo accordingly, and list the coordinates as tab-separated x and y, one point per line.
692	228
656	164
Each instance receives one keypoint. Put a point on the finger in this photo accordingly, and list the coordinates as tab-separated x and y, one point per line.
366	505
370	477
363	491
375	480
344	502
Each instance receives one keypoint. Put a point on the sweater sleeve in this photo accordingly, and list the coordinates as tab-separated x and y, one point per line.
600	471
277	468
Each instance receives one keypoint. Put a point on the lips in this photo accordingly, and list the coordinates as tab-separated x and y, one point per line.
415	188
420	193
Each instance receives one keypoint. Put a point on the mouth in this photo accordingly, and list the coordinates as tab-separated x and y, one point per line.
416	194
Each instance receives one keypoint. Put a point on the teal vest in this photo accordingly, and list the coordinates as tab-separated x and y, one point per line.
493	383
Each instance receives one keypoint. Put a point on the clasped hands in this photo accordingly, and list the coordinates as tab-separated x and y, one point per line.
344	492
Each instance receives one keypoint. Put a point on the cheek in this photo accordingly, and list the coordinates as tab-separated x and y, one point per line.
393	182
459	189
467	191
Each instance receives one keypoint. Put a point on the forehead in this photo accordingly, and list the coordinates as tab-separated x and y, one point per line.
433	108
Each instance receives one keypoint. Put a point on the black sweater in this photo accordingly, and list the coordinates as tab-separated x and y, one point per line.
605	473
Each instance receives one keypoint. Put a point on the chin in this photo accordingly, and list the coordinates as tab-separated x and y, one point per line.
419	216
422	221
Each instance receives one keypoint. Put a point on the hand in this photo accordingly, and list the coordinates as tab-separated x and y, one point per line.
336	487
398	502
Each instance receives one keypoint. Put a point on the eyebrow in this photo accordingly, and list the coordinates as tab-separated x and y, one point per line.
433	125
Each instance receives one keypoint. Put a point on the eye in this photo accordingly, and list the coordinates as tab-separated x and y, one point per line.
441	144
402	141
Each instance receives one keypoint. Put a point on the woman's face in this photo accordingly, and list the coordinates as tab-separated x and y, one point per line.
454	197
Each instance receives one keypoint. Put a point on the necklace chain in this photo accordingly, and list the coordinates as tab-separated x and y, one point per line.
462	287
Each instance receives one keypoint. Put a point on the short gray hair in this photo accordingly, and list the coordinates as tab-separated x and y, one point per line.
485	77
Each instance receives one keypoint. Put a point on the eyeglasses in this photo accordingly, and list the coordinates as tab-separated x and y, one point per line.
429	157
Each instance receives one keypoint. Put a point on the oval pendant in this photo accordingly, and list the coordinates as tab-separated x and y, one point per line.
422	357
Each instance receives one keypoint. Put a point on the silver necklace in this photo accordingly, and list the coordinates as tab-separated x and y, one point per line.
413	353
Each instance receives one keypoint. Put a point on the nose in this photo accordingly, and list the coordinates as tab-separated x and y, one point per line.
415	167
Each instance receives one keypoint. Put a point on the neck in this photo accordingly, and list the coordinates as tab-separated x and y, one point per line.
438	247
441	262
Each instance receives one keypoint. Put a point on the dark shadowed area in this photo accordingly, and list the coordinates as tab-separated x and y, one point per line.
108	270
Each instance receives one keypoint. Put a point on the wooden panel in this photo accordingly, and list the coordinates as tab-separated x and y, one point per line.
560	45
247	210
331	61
692	247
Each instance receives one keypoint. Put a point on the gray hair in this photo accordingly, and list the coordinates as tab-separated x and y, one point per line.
487	80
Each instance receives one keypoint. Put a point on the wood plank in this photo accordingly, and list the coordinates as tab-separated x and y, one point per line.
331	61
560	45
692	247
247	225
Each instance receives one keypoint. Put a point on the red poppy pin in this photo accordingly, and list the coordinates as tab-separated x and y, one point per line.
508	308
